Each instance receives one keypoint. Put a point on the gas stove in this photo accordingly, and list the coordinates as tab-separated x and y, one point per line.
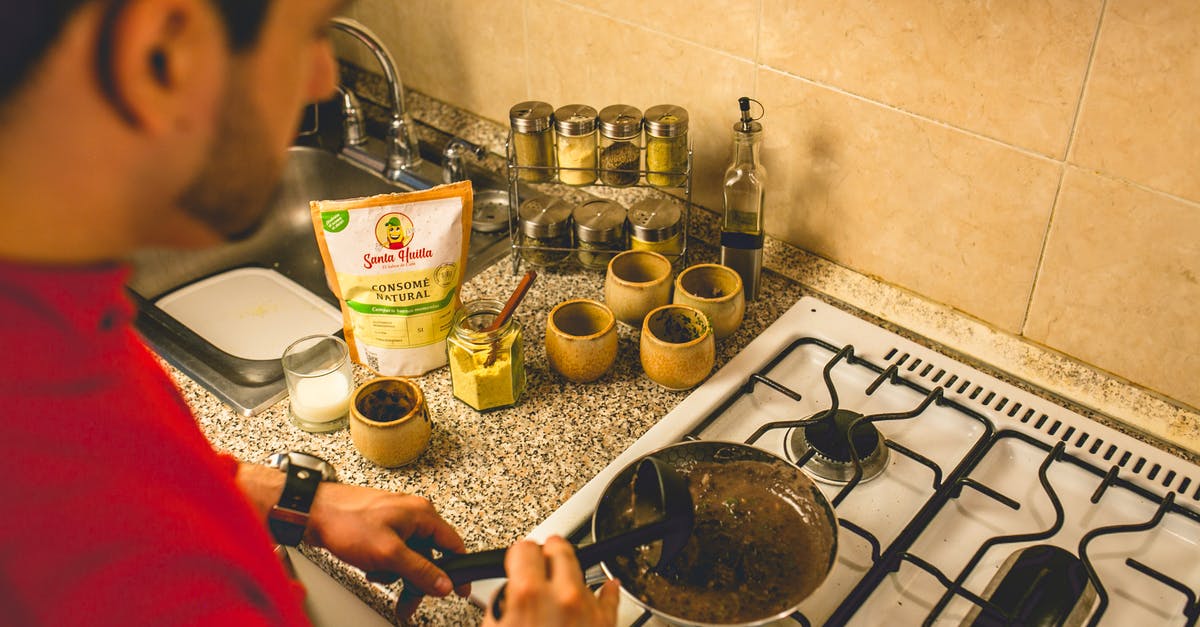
961	499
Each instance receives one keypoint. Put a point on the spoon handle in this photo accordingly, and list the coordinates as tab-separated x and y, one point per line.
467	567
624	542
513	301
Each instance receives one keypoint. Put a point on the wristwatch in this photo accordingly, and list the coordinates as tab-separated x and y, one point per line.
289	518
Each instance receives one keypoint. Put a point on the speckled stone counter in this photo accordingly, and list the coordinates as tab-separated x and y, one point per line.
494	476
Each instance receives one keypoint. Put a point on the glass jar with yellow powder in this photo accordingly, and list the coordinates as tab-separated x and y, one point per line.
666	145
487	368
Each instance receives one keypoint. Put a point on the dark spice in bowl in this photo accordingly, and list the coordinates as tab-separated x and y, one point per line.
385	403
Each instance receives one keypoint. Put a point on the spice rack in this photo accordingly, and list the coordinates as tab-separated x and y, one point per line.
520	188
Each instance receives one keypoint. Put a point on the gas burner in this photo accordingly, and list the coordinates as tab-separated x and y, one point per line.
832	460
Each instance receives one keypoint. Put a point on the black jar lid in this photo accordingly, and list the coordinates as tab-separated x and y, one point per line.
574	120
599	221
620	121
544	216
666	120
655	219
532	116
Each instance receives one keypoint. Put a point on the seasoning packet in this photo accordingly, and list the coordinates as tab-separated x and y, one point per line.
396	263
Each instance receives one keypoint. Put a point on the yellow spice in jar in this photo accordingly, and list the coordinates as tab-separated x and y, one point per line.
480	385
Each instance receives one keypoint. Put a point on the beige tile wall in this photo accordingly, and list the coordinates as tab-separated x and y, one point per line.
1033	163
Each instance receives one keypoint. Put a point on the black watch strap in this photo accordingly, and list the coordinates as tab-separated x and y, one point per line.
289	518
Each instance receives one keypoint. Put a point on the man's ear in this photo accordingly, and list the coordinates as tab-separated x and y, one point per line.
163	55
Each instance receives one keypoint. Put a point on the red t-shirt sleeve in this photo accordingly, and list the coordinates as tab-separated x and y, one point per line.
116	510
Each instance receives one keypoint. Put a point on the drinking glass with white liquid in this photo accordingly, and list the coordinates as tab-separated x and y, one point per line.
319	381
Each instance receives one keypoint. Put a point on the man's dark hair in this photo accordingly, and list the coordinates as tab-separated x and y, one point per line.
28	27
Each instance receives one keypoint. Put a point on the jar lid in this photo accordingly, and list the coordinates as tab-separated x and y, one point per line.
576	119
620	121
544	216
655	219
666	120
531	116
599	221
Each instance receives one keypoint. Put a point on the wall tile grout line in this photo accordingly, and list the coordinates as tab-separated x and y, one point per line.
924	118
758	34
1065	165
758	66
525	9
1040	266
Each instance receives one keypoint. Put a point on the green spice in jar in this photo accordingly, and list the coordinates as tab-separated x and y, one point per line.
620	145
575	128
655	225
533	140
666	145
599	232
544	226
487	368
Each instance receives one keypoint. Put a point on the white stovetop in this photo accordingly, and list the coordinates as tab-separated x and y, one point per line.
1000	403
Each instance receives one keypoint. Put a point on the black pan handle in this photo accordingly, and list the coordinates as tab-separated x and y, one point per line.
460	567
467	567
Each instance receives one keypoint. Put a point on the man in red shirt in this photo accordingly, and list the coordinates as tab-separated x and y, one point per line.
131	123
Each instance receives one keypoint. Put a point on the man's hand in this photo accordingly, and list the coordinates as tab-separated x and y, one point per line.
371	529
545	587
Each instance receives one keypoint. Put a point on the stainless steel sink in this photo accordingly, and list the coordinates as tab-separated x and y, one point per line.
285	243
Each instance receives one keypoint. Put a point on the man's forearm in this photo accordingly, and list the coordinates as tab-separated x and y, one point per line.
261	485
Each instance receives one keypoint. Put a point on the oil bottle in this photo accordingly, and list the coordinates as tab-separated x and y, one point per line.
744	188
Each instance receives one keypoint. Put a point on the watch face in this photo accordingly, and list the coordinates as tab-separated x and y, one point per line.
284	461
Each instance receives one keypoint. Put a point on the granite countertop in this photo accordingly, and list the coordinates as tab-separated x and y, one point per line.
496	475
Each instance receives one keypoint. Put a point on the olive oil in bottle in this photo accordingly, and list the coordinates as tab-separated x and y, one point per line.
745	184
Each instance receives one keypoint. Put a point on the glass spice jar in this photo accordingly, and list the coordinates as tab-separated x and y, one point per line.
656	225
599	232
487	368
575	128
544	225
533	140
666	145
620	145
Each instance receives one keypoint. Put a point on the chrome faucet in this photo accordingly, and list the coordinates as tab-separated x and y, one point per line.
454	165
403	150
353	133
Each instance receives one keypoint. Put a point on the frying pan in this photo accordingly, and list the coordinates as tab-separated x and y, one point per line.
801	545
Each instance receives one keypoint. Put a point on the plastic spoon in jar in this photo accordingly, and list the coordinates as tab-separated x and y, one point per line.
506	313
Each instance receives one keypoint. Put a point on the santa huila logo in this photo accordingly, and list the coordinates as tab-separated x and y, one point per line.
394	231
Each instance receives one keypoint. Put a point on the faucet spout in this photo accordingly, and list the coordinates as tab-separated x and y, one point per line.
454	165
403	148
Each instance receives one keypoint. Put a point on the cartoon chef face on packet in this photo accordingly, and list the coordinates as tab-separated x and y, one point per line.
394	231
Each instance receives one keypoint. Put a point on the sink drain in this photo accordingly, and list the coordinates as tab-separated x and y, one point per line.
491	211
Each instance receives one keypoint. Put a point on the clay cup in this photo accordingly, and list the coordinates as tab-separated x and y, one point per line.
636	282
717	292
389	421
677	347
581	339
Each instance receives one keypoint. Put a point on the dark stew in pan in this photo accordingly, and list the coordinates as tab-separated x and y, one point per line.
758	547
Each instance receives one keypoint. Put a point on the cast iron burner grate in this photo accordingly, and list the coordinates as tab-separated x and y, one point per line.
803	445
835	442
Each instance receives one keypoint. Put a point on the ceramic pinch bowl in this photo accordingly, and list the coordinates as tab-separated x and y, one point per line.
717	292
389	421
677	347
581	339
636	282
